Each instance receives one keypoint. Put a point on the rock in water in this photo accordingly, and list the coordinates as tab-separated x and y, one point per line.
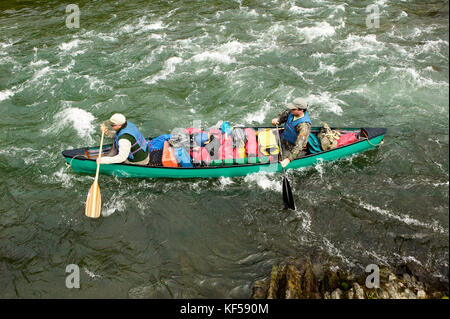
329	282
359	292
337	294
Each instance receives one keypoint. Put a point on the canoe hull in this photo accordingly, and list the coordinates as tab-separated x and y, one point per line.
83	165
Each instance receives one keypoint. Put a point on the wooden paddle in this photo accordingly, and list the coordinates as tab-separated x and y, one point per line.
94	198
288	199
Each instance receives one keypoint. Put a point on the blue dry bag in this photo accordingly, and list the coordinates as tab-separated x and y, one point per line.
158	142
182	157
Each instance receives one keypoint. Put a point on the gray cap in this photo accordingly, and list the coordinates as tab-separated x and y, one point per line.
298	103
117	119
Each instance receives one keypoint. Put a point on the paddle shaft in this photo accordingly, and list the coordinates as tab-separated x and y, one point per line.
99	156
98	169
281	150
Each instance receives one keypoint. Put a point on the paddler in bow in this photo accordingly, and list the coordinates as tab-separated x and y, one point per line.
129	145
296	130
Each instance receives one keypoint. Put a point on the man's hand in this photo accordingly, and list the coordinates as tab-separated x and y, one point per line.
98	160
285	162
275	121
104	129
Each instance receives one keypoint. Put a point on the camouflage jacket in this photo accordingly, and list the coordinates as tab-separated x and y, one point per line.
303	130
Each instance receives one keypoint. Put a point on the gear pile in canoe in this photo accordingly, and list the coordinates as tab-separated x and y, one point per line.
237	151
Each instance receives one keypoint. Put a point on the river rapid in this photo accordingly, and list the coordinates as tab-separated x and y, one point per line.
165	65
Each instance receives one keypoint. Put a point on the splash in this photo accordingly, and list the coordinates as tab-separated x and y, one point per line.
263	181
63	177
113	205
79	119
224	182
5	94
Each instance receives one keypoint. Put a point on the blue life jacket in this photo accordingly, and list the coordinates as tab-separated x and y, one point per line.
132	130
290	134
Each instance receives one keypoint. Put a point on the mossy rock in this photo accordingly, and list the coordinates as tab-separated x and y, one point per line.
345	286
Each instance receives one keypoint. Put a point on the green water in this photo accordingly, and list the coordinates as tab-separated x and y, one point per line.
166	65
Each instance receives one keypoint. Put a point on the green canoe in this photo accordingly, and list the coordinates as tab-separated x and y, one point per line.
82	160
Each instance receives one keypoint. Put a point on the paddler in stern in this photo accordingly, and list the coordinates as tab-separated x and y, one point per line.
129	145
296	130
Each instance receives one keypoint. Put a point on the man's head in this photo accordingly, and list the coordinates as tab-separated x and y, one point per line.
298	106
117	121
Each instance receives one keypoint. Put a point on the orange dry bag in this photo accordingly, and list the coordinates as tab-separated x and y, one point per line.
168	156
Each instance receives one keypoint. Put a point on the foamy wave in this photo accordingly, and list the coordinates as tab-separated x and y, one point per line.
67	46
360	90
81	121
258	116
169	68
432	46
263	181
100	35
5	94
213	57
96	84
363	44
331	104
328	68
37	63
222	54
320	55
418	79
440	184
40	73
5	45
303	11
141	26
321	30
404	218
158	25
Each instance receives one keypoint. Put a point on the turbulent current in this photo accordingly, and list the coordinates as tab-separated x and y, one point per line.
165	64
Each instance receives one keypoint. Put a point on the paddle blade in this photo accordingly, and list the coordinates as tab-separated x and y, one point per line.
94	201
288	199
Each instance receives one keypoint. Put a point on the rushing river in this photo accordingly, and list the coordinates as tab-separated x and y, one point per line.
164	65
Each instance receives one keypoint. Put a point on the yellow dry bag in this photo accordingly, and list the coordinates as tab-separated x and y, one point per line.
267	142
